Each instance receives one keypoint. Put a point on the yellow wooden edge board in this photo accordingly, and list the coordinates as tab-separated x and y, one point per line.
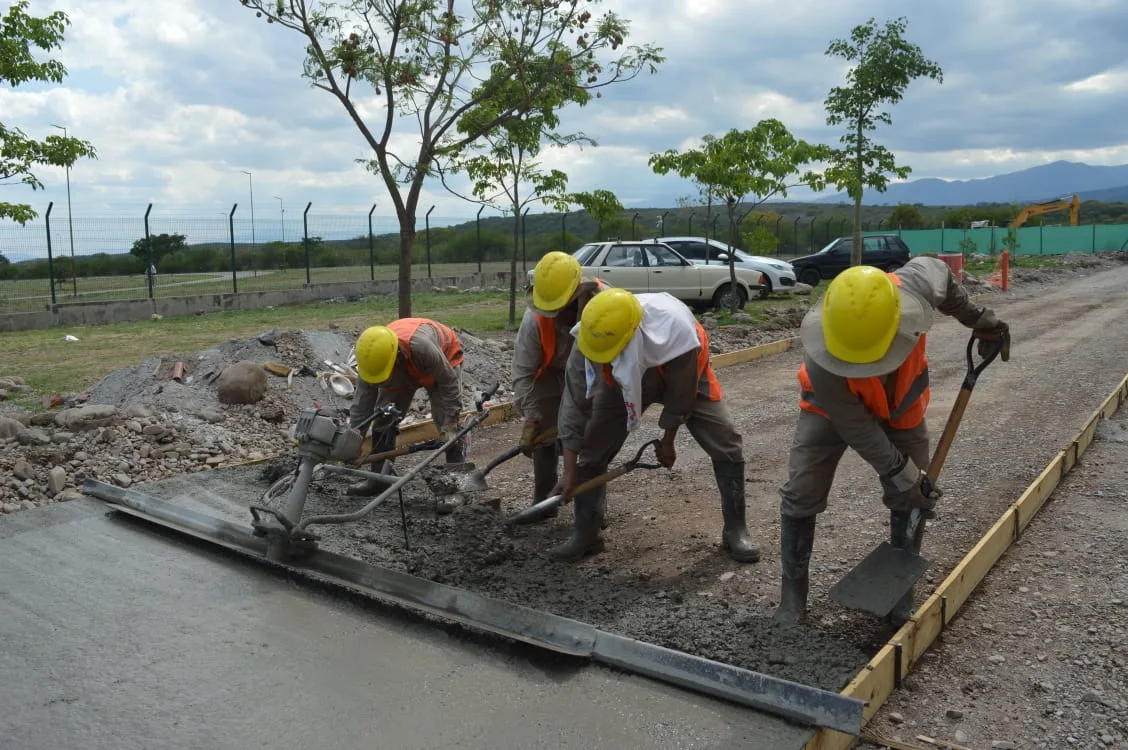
877	680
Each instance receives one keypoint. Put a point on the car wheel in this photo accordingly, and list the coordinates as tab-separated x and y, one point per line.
766	289
722	300
810	276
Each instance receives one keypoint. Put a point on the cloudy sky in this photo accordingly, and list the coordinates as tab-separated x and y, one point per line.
180	97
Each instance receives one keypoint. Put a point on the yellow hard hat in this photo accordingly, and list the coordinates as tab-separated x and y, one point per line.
376	354
860	314
556	278
607	324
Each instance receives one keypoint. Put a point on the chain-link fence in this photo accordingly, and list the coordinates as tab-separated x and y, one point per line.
57	260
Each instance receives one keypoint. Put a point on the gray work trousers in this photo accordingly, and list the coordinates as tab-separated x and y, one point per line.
815	453
709	423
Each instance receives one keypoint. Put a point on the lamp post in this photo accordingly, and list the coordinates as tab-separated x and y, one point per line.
251	185
70	224
282	213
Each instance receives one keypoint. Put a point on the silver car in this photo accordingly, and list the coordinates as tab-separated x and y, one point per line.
779	276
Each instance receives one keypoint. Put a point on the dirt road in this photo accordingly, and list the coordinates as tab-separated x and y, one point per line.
1039	657
663	577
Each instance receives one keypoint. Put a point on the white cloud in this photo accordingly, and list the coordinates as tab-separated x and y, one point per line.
179	97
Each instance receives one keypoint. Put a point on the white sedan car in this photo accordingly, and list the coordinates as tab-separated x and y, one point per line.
649	266
778	274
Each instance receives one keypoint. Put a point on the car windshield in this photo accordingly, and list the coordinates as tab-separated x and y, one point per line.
585	253
832	244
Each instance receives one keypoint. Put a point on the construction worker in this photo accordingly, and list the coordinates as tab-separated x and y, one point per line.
395	361
633	351
544	341
864	385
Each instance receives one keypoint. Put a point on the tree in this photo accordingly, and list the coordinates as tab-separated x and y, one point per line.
761	162
20	154
505	169
885	65
162	245
441	63
906	216
601	205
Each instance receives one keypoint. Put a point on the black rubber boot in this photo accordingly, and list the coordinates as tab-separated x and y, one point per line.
734	537
544	479
588	514
898	537
796	539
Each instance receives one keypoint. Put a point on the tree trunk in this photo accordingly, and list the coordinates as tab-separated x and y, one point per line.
733	306
407	242
512	324
859	175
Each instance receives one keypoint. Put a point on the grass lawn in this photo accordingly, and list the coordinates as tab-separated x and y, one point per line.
52	365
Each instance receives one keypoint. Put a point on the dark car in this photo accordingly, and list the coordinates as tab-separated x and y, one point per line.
886	251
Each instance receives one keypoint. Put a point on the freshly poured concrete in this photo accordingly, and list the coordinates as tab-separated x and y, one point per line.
116	636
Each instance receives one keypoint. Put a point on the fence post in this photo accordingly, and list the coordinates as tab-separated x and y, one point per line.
148	251
50	254
715	224
524	264
564	232
1094	239
231	238
427	222
634	220
371	246
779	223
1041	238
690	232
305	240
478	231
664	214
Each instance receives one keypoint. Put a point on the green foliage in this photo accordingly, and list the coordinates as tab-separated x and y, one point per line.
20	35
906	216
459	74
885	63
603	205
997	215
762	162
162	246
760	240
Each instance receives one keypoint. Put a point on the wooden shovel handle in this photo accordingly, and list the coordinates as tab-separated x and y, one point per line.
945	443
598	481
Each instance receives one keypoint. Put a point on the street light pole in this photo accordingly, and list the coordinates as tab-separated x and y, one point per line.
251	184
282	213
70	224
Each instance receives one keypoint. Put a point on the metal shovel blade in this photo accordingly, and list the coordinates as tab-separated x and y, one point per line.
880	581
533	512
475	481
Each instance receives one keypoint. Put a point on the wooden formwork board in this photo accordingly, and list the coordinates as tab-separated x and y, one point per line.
884	672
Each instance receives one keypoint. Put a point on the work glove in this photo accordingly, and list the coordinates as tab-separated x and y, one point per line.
529	432
914	489
989	329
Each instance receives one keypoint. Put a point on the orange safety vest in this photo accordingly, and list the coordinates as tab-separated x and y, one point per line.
712	390
904	409
405	328
546	328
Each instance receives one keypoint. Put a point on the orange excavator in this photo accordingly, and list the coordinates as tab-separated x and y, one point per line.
1037	209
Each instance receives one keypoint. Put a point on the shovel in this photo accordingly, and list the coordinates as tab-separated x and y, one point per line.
888	573
375	458
533	512
476	481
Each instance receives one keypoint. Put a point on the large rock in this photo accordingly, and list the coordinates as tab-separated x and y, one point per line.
241	383
11	428
84	417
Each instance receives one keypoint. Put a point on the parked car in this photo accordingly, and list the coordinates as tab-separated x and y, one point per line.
779	276
886	251
649	266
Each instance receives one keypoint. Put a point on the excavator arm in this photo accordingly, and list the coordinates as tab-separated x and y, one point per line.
1074	207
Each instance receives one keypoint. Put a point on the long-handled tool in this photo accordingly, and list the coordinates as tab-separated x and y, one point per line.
375	458
879	582
534	511
476	480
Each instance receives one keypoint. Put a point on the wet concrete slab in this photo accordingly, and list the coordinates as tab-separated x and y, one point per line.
118	636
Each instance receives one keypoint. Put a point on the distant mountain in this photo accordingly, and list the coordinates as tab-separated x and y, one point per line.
1041	183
